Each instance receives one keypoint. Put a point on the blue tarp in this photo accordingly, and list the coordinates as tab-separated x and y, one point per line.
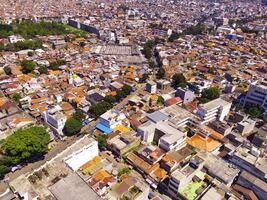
103	128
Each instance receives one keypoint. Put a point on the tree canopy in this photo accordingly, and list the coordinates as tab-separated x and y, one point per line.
8	70
178	80
100	108
209	94
148	49
43	69
72	126
56	64
79	115
16	97
25	143
255	111
27	66
161	73
29	29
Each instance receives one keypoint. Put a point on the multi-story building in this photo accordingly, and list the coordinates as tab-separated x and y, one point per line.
55	119
186	95
215	109
181	177
151	87
257	94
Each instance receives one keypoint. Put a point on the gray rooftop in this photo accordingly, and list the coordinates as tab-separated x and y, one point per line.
72	188
157	117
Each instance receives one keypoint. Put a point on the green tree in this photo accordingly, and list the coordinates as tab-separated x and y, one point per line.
125	170
127	89
148	49
8	70
178	80
160	100
16	97
211	70
161	73
98	109
25	143
211	93
3	170
110	99
102	141
43	69
255	111
27	66
79	115
72	126
56	64
82	44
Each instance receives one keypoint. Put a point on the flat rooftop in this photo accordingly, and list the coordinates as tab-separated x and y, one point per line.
214	104
72	188
177	113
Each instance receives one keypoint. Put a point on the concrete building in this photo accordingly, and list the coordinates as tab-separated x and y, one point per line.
55	119
220	169
182	177
257	94
109	120
169	136
83	155
215	109
246	126
186	95
72	187
258	186
174	117
163	85
151	87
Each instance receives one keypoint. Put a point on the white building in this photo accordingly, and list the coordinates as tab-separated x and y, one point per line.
166	124
257	94
111	119
83	155
151	87
55	119
215	109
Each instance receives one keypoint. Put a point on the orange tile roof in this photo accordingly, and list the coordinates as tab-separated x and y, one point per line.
38	100
3	100
205	144
90	163
160	173
143	165
101	175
